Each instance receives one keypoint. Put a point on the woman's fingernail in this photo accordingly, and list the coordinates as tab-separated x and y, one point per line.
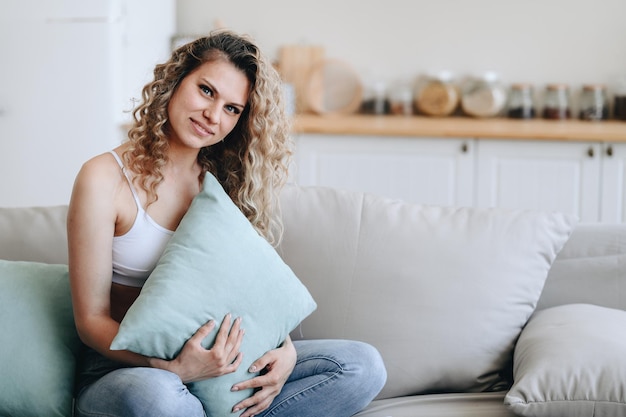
233	388
252	368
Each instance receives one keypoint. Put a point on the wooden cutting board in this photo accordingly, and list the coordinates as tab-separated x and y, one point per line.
294	64
334	88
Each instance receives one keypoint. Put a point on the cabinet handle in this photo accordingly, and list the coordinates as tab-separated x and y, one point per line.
609	151
590	152
464	147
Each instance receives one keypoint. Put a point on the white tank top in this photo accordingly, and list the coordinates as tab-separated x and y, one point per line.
135	253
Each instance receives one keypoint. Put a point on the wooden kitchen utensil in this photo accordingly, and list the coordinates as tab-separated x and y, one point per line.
294	64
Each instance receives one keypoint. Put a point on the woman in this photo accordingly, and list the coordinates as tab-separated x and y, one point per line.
214	106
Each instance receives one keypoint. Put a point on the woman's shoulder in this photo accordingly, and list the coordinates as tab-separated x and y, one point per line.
102	173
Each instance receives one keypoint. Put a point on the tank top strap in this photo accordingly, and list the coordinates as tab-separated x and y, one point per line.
130	183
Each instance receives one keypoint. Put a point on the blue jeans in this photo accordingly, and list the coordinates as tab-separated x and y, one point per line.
331	378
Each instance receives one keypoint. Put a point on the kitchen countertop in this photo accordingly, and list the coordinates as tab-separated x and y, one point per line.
462	127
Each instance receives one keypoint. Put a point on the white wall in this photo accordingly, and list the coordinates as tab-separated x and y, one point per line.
537	41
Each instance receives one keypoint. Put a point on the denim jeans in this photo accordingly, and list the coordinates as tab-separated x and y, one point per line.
331	378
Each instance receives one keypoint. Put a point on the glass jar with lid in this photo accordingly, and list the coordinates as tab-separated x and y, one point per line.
375	99
437	95
521	104
401	99
556	103
484	96
619	109
594	103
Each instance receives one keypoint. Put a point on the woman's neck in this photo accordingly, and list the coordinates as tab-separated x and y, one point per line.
182	160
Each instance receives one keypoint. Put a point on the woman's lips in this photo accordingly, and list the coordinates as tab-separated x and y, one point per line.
201	129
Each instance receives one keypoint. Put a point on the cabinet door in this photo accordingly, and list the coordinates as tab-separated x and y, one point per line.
613	183
561	176
426	171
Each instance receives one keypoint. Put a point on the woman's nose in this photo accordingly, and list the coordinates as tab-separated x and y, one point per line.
212	114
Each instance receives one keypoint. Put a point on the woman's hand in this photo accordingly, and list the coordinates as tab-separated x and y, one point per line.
278	365
195	363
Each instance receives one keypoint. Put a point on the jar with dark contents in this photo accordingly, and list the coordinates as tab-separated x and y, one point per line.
556	104
619	108
375	100
401	99
594	103
521	103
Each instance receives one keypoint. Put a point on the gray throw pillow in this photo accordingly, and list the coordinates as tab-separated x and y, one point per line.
442	292
570	360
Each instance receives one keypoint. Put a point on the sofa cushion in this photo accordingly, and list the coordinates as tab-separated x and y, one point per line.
443	293
569	361
482	404
214	264
37	356
589	268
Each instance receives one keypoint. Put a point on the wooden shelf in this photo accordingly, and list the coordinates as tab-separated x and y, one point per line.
462	127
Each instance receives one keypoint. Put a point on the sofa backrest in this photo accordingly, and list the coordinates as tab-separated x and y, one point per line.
591	268
35	234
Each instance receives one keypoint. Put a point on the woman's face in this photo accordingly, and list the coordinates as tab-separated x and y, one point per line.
207	104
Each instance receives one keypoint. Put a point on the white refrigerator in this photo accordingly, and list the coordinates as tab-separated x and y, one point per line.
70	70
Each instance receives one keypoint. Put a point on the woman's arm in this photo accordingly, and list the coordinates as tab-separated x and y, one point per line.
92	216
91	223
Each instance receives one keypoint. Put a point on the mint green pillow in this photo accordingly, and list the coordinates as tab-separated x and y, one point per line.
40	343
214	264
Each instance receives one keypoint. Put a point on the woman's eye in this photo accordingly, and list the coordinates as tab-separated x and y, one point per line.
232	109
206	90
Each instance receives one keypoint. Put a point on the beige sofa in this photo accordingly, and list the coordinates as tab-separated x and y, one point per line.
455	299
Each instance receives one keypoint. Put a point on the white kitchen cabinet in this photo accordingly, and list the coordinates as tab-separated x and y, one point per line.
587	179
419	170
561	176
613	202
65	83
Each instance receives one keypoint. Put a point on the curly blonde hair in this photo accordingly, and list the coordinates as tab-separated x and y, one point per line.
252	161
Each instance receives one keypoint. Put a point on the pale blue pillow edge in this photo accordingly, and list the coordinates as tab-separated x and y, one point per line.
40	379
